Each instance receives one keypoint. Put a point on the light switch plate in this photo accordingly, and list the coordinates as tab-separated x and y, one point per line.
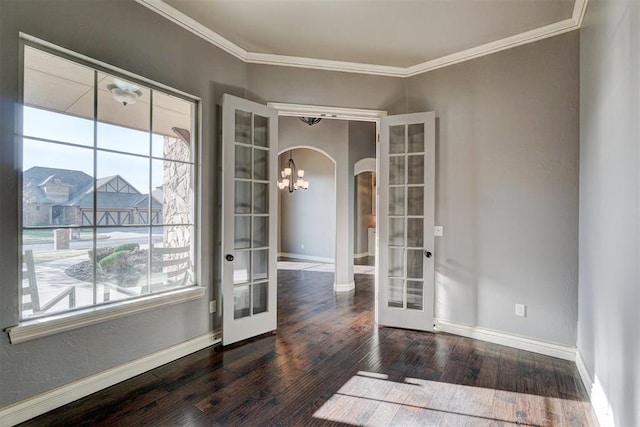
438	230
521	310
212	306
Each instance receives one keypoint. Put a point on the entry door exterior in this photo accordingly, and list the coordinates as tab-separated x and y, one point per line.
249	240
406	186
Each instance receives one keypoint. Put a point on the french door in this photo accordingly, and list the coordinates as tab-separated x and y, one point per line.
249	154
406	204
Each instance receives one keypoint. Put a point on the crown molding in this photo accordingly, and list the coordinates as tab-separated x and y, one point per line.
531	36
541	33
193	26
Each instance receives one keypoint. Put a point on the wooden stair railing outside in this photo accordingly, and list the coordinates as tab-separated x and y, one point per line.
175	278
32	289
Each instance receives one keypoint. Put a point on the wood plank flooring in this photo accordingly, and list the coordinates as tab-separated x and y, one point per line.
329	365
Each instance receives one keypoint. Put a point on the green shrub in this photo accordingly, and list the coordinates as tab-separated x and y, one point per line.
126	247
101	253
116	262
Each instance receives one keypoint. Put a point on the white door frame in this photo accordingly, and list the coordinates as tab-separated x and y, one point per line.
336	113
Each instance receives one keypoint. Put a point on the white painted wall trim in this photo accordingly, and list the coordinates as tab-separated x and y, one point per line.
303	110
190	24
37	328
306	257
364	165
599	400
510	340
38	405
344	287
361	255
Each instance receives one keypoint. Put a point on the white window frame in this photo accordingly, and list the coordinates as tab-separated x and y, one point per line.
30	329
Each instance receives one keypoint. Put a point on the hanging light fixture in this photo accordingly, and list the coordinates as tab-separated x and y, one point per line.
123	92
292	177
310	120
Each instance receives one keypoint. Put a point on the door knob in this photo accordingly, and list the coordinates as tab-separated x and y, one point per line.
229	257
427	253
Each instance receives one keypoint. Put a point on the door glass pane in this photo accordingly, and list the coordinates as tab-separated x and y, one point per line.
243	197
415	232
396	231
243	162
260	231
416	138
396	170
260	198
415	169
260	265
414	264
242	232
241	301
396	139
241	266
415	202
414	294
396	262
243	127
260	297
260	164
261	131
396	201
396	293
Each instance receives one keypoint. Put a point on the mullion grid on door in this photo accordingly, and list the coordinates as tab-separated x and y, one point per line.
409	216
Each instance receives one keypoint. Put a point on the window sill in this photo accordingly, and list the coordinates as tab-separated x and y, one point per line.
37	328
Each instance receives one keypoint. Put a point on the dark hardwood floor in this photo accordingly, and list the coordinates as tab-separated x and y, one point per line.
328	364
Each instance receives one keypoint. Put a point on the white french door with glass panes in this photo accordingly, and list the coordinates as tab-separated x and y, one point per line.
250	155
406	186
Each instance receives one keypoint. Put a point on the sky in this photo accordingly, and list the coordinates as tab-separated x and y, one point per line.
61	127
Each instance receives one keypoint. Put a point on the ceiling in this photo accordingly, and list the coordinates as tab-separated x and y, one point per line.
388	37
56	84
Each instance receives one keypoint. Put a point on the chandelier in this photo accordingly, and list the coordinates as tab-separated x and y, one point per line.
288	173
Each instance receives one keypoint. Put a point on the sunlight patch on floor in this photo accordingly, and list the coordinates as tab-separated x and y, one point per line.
370	398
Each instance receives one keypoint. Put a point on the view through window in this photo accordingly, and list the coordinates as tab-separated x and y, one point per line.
108	187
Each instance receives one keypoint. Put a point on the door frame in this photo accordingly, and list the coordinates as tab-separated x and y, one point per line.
339	113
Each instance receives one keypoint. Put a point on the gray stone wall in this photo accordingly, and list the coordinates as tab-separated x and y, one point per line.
177	193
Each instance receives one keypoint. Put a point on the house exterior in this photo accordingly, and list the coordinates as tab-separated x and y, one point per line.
65	197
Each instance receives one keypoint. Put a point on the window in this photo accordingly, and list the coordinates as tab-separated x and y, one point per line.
108	186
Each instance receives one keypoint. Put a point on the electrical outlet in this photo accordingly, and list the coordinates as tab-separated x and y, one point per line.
438	230
302	246
521	310
212	306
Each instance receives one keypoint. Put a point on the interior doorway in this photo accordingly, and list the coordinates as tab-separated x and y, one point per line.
364	230
307	216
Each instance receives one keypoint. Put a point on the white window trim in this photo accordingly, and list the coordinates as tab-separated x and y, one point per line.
31	329
51	325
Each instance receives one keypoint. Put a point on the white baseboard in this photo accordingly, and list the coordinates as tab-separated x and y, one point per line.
47	401
307	257
599	400
361	255
502	338
344	287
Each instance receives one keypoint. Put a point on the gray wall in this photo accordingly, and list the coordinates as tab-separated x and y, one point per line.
129	36
308	217
507	188
608	337
506	180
